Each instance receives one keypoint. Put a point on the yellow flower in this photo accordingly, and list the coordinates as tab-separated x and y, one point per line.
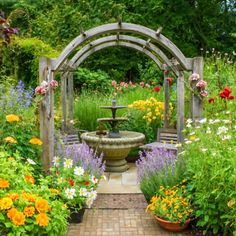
192	138
42	219
18	219
5	203
10	139
35	141
4	183
14	196
12	118
231	203
10	158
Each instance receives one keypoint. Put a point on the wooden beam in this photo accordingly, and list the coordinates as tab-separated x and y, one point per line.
130	39
196	106
180	106
158	32
46	114
117	43
70	100
64	101
166	100
126	27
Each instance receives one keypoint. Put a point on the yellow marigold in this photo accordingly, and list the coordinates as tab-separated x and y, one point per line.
29	197
10	139
4	183
18	219
10	158
36	141
231	203
30	179
29	211
53	190
41	205
11	213
42	219
12	118
14	196
5	203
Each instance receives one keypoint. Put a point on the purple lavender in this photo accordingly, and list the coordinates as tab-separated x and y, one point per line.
156	162
83	155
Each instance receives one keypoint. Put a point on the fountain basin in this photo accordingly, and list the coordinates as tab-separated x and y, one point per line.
115	150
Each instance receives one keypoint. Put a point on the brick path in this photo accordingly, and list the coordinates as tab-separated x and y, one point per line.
118	215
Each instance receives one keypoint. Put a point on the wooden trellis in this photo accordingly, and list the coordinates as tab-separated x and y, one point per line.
66	64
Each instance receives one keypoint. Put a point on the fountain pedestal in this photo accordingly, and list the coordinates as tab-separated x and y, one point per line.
115	150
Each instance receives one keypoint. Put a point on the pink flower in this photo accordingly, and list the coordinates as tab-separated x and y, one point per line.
142	84
201	84
204	93
147	85
54	84
40	90
194	76
113	83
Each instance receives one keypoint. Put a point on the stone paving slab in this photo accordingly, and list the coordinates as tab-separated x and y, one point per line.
118	222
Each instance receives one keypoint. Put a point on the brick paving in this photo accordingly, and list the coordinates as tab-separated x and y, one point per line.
118	215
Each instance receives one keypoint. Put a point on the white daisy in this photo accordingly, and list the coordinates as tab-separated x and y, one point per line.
92	195
202	121
30	161
94	179
56	160
83	192
70	193
68	163
189	121
78	171
188	142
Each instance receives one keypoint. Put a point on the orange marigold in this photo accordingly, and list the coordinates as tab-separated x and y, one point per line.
42	219
36	141
10	139
18	218
29	179
11	213
5	203
4	183
14	196
29	211
12	118
53	190
41	205
29	197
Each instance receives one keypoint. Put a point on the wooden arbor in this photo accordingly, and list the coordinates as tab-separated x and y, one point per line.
152	43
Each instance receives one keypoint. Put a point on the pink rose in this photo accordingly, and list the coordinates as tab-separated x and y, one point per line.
40	90
54	84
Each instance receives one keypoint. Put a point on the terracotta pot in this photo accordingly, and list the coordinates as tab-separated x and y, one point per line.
172	226
76	217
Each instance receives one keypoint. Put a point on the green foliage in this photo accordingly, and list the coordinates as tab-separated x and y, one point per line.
21	59
209	154
97	81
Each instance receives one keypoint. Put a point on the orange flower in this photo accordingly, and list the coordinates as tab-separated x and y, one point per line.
29	211
36	141
53	190
5	203
4	183
18	218
10	139
41	205
11	213
14	196
29	179
12	118
29	197
42	219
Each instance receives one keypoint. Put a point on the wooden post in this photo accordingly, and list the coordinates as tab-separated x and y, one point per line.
196	101
63	100
46	114
70	100
180	106
166	100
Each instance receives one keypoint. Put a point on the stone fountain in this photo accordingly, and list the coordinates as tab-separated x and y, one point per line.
114	144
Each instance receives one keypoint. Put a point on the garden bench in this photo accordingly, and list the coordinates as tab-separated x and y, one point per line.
166	138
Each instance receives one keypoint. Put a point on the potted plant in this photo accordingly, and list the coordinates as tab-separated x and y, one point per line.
171	208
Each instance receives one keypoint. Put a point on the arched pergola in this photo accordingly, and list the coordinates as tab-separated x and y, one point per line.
152	43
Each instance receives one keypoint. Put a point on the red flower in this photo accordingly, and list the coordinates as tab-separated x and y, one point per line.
211	100
225	93
222	95
157	89
170	80
86	183
72	182
231	97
